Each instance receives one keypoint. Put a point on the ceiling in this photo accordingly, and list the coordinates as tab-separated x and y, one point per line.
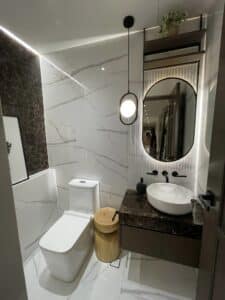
50	25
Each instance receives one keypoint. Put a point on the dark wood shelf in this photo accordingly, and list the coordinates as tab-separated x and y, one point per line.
173	60
180	41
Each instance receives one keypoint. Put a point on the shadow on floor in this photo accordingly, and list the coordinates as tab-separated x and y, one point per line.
60	287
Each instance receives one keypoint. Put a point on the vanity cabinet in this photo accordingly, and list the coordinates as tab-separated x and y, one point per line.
145	230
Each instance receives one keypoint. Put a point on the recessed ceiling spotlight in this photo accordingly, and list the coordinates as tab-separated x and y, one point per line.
102	68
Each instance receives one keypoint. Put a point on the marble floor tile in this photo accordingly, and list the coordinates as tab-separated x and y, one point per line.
134	277
151	278
95	281
34	289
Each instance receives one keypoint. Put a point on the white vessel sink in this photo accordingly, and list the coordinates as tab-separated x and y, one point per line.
170	198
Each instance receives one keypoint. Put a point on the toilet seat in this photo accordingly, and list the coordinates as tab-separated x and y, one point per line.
64	234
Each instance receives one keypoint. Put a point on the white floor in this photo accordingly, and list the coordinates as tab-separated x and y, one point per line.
137	278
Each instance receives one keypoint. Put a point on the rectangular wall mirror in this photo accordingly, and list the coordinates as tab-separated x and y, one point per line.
17	161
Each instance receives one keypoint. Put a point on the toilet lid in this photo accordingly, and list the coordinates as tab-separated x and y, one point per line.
62	236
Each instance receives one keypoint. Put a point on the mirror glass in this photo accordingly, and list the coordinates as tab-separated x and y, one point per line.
169	111
18	170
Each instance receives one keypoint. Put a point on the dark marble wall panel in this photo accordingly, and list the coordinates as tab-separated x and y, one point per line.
21	96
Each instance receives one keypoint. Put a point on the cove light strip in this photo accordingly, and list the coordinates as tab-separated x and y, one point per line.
35	52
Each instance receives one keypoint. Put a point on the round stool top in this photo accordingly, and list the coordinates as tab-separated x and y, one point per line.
103	220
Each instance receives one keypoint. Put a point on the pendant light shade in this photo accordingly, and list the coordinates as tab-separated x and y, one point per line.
129	101
128	108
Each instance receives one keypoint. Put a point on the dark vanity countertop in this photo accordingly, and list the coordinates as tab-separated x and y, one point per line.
136	211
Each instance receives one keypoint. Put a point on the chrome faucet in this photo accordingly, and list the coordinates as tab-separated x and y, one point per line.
165	174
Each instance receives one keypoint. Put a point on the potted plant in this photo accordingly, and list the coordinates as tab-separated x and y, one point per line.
170	23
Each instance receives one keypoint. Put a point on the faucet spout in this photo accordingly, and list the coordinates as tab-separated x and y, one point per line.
165	174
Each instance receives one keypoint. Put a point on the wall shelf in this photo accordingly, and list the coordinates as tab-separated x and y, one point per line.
180	41
173	60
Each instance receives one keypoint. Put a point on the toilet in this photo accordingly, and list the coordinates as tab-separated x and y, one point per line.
68	242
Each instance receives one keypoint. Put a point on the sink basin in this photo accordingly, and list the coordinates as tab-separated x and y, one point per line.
170	198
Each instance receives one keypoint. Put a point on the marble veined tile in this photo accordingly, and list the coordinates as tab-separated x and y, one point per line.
84	63
33	223
152	278
34	289
85	137
137	277
36	208
56	88
95	281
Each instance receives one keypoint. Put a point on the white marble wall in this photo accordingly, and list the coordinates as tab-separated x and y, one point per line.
36	208
84	135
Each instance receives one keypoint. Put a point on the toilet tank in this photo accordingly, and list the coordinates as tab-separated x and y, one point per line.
84	196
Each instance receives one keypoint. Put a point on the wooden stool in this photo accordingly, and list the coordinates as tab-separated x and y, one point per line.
107	246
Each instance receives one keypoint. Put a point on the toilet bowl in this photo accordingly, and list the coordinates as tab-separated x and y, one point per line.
68	242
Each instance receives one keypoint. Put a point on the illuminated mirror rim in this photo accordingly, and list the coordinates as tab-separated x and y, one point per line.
194	133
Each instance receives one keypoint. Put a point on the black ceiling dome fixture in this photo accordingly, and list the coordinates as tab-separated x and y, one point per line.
128	21
129	101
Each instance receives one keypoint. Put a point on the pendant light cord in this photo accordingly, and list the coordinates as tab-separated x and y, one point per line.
128	84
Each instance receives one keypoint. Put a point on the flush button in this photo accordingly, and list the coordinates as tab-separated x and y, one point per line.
82	181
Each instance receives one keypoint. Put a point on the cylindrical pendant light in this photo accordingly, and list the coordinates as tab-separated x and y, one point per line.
129	101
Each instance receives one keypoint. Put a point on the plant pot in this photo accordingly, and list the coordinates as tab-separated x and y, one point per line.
173	29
